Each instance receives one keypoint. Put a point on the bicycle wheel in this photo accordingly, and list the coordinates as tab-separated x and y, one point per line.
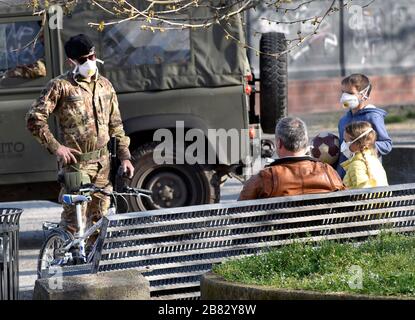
51	253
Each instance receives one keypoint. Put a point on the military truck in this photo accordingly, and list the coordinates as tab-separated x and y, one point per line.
186	79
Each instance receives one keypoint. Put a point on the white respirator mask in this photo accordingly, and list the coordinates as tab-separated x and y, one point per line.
345	147
88	69
351	101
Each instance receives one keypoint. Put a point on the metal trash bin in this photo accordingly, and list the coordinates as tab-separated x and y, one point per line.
9	253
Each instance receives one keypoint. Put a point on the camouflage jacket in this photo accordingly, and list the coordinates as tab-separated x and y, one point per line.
87	119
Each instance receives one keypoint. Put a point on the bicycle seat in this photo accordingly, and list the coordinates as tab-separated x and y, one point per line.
71	199
46	226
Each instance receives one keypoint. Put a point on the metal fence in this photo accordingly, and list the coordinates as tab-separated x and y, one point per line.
174	247
9	253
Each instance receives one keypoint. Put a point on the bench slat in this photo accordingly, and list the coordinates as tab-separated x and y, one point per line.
187	295
215	242
195	284
354	195
178	221
326	218
258	245
222	228
176	275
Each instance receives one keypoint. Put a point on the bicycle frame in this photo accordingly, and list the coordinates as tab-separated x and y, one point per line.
83	234
80	236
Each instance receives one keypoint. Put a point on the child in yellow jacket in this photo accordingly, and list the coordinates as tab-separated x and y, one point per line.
363	168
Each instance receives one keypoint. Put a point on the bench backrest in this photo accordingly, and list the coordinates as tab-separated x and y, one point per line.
174	247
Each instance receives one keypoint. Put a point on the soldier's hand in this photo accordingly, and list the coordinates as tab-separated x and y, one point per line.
127	168
66	155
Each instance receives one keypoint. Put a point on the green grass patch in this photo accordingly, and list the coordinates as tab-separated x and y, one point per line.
399	118
410	115
387	263
395	118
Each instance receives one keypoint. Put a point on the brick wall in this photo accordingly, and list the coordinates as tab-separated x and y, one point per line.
305	96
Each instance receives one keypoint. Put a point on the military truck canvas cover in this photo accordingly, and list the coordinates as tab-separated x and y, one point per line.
142	60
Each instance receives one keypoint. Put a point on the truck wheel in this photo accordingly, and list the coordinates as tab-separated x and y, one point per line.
173	185
274	81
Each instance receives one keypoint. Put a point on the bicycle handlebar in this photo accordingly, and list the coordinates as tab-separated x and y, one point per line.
127	190
138	190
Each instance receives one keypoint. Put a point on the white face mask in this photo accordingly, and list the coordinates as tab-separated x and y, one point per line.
345	147
351	101
88	68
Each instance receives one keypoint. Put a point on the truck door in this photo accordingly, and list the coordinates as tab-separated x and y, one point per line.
25	68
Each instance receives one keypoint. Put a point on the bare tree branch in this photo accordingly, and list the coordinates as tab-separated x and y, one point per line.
162	15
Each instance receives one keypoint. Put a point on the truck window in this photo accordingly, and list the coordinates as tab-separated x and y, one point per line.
22	54
128	45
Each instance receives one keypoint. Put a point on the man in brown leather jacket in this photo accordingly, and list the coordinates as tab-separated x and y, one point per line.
295	172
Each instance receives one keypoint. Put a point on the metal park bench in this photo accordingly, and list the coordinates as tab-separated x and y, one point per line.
174	247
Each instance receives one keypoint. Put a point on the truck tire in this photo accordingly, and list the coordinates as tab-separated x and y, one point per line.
273	81
173	185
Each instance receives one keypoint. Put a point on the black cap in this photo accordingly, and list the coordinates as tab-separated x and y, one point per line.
78	46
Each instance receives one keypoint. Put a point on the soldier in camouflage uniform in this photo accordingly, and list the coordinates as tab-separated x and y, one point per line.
86	106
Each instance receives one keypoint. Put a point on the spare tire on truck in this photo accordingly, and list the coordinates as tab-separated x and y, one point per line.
273	80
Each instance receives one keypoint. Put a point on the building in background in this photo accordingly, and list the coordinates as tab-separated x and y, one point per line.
376	40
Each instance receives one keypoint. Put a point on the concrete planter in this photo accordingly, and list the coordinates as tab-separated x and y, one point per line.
114	285
214	287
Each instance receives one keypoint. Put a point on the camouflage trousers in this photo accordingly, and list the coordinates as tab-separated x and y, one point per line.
95	209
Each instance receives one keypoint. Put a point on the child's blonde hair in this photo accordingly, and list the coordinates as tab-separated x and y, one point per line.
367	142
